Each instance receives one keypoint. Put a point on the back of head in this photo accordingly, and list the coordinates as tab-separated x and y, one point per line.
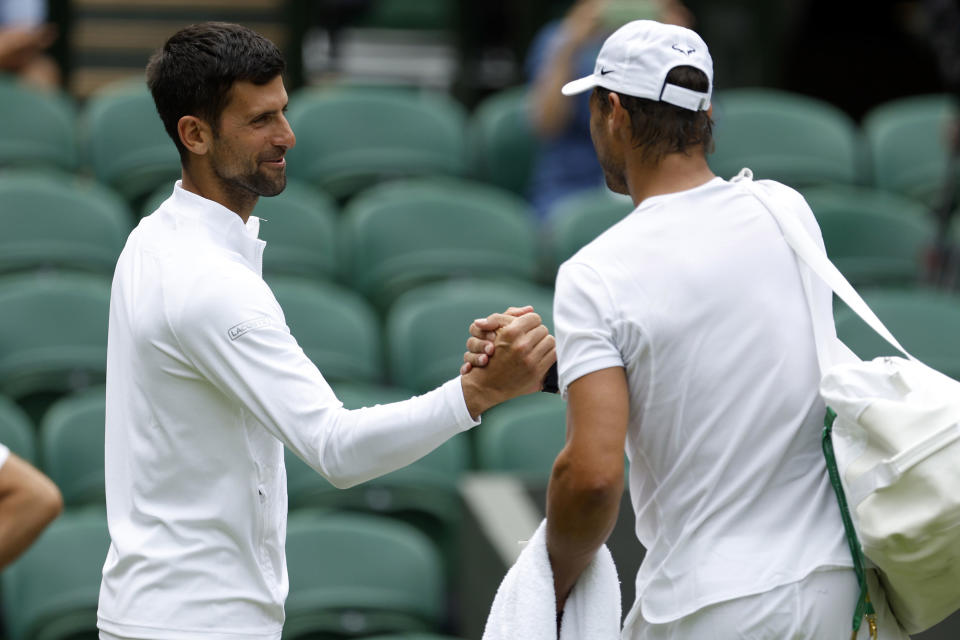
663	75
193	72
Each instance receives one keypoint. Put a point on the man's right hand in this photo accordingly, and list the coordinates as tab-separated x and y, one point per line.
522	351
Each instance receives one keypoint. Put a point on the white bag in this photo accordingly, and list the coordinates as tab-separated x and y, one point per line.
896	438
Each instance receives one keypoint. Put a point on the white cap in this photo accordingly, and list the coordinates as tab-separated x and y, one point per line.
637	57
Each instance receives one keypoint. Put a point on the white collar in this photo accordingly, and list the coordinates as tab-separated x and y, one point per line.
223	226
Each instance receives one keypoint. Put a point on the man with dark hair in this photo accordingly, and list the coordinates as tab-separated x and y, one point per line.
684	339
205	384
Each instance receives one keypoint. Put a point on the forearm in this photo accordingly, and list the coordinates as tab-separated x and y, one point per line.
551	110
358	445
581	513
28	503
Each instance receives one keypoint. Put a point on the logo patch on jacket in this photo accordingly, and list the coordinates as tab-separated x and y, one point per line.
246	326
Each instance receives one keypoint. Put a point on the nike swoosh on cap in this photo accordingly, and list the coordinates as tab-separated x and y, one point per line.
604	72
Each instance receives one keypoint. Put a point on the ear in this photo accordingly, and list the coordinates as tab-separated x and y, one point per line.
195	134
619	120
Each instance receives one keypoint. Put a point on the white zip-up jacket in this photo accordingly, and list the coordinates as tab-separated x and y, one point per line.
205	385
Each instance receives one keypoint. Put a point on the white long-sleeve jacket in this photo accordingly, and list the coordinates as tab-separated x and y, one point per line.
205	385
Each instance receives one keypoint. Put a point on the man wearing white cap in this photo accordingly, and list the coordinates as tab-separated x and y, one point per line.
683	337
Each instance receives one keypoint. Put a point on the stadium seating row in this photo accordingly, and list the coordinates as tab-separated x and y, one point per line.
396	235
349	138
398	589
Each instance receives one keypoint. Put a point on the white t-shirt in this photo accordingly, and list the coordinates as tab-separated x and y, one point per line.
205	386
4	454
699	298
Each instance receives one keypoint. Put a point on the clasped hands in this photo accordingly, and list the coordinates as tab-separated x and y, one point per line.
508	355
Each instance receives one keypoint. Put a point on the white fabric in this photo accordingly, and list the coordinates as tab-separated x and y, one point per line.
819	607
205	385
895	440
637	57
698	297
4	454
526	606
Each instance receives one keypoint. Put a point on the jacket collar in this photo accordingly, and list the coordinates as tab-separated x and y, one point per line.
223	226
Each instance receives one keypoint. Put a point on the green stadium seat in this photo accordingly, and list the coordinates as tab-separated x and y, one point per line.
60	222
71	443
402	234
875	238
430	15
783	136
300	227
37	129
908	143
16	431
927	324
337	328
579	218
51	592
125	142
502	143
353	575
523	436
348	139
427	328
53	332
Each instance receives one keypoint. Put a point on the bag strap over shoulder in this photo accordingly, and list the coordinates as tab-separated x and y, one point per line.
808	252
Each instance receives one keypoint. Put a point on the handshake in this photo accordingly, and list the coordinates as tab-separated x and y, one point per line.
508	354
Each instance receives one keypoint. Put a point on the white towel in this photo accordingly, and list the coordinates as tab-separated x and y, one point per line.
525	607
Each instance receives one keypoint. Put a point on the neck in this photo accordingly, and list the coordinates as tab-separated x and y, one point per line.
204	183
675	172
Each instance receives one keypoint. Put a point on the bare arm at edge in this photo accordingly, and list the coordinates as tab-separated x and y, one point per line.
583	499
29	501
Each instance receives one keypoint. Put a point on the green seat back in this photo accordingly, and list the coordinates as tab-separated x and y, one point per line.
59	221
51	592
927	324
908	140
125	142
300	228
875	238
579	218
53	332
402	234
71	442
412	636
523	436
359	574
502	143
783	136
16	431
433	15
337	329
36	128
348	139
427	328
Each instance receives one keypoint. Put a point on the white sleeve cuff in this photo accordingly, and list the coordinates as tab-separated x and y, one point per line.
453	394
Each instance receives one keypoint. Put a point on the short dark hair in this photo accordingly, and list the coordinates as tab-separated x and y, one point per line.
194	70
660	128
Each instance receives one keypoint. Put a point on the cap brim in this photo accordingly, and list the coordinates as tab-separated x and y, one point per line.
574	87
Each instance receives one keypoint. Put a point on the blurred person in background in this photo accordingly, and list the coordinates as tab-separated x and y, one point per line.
24	40
29	501
561	51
